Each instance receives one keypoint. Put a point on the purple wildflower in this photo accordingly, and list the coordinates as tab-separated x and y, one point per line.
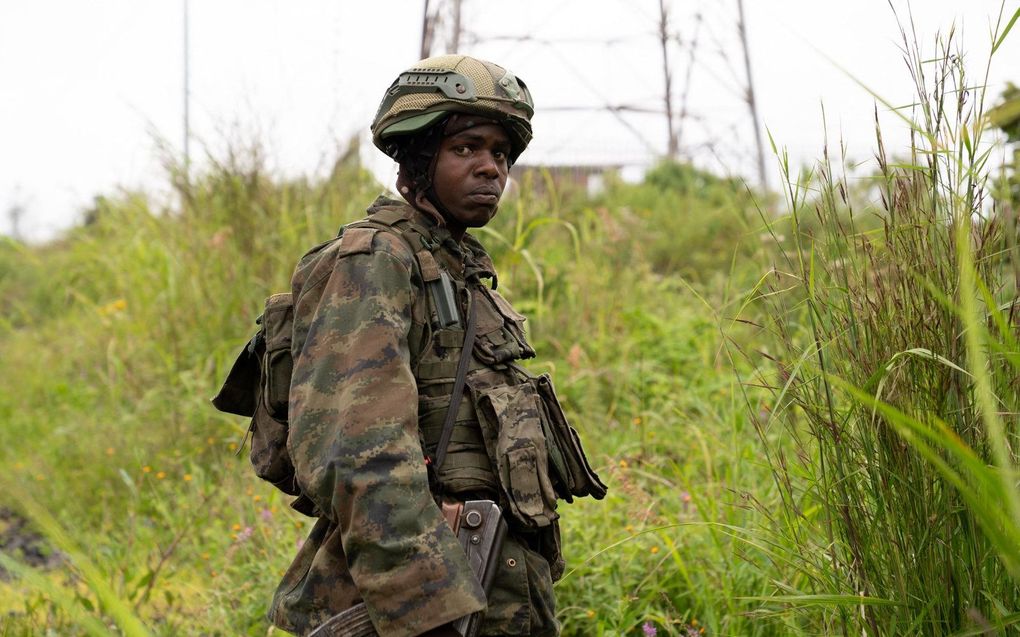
649	629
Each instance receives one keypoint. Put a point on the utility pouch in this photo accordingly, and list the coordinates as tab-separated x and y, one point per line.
257	387
513	417
500	329
269	456
574	474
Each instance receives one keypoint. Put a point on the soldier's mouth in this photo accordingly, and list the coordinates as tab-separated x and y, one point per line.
484	197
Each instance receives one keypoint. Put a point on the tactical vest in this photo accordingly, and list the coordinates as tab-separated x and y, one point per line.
436	351
510	440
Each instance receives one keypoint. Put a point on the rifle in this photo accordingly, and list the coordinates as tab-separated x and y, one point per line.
481	529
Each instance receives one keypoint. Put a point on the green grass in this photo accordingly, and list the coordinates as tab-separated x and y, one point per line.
897	383
808	422
124	328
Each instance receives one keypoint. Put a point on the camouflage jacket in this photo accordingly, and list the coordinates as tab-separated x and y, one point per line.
360	403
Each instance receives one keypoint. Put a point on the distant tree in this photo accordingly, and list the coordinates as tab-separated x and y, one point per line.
1006	116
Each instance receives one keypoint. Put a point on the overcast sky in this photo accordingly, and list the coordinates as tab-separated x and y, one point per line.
89	90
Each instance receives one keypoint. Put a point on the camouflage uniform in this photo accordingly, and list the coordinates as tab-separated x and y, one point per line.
372	378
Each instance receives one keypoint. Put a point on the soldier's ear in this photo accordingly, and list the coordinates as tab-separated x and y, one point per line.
405	183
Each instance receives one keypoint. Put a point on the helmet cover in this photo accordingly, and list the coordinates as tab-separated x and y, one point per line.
427	93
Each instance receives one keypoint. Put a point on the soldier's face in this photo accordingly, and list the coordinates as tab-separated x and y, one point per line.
471	173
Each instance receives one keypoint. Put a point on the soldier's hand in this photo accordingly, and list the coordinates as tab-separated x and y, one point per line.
442	631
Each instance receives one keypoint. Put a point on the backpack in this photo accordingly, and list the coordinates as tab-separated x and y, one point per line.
258	383
258	387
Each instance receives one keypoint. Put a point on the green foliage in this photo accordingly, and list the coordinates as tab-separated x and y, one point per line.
109	366
1006	115
685	221
897	385
807	423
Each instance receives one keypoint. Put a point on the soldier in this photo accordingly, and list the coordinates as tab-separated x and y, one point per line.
381	317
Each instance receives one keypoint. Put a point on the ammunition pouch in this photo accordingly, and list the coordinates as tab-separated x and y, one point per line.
520	454
572	473
536	453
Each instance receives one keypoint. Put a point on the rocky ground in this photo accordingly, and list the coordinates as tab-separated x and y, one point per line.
23	543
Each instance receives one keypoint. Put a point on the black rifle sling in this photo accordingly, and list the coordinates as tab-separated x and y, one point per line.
458	387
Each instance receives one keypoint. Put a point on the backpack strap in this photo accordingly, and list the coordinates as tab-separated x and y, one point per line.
387	216
458	387
414	235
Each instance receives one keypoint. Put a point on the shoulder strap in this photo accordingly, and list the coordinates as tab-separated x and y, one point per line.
417	238
387	216
458	386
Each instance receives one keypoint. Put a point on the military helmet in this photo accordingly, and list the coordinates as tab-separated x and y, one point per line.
426	93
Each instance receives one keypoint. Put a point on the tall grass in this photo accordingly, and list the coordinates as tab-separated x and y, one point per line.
118	334
897	382
115	339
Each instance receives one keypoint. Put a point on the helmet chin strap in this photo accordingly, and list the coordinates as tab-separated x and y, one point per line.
430	190
420	162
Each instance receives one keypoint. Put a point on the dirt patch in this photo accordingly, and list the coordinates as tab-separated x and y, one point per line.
20	541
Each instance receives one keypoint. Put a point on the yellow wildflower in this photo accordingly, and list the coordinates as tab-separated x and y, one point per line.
160	475
112	308
187	477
